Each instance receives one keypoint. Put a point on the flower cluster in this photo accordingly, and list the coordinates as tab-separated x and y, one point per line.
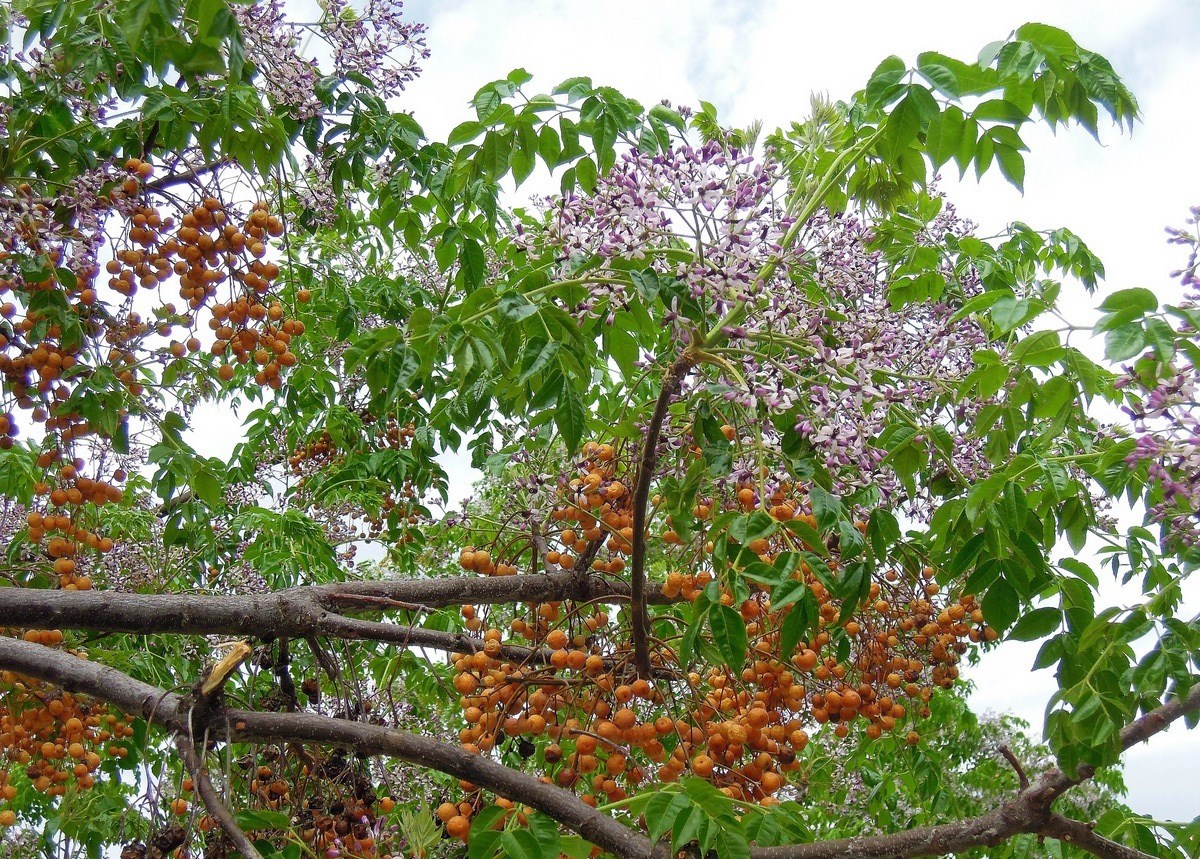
820	340
272	44
718	204
379	44
1164	410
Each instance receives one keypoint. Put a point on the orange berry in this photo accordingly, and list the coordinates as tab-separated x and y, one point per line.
458	827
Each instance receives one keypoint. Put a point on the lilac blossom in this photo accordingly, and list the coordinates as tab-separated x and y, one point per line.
272	44
820	340
379	44
376	44
1166	417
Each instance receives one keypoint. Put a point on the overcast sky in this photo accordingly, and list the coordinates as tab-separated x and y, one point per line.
762	60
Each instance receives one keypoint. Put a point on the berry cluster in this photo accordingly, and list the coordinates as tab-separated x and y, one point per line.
578	708
59	739
63	342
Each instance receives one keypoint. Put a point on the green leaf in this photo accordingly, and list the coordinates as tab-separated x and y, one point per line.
883	530
483	836
538	360
1012	166
520	844
944	136
799	621
826	507
732	845
1046	37
787	592
549	146
1040	349
207	486
1000	605
134	18
999	110
495	153
729	634
571	418
1136	297
687	647
585	173
687	826
1036	624
1124	342
902	125
473	262
662	811
1161	336
938	72
1014	506
887	75
714	803
464	132
251	818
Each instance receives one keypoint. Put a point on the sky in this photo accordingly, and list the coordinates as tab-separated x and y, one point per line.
756	59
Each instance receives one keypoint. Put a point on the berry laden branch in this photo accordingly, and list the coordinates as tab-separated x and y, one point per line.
296	612
640	622
1029	812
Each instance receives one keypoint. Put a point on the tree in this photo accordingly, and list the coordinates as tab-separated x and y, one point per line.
773	442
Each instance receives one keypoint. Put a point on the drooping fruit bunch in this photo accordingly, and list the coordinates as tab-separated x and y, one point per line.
57	738
330	798
79	358
865	658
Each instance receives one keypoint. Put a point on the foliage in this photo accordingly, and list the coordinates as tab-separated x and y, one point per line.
773	443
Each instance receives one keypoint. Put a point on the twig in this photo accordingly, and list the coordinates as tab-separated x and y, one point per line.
212	800
1016	765
383	602
327	663
161	184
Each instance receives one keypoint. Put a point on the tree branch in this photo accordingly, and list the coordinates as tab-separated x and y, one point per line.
170	711
288	612
640	621
414	636
1159	718
169	181
1082	835
1022	779
212	800
1028	812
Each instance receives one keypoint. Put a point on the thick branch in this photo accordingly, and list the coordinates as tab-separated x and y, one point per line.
289	612
640	621
1084	837
169	711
